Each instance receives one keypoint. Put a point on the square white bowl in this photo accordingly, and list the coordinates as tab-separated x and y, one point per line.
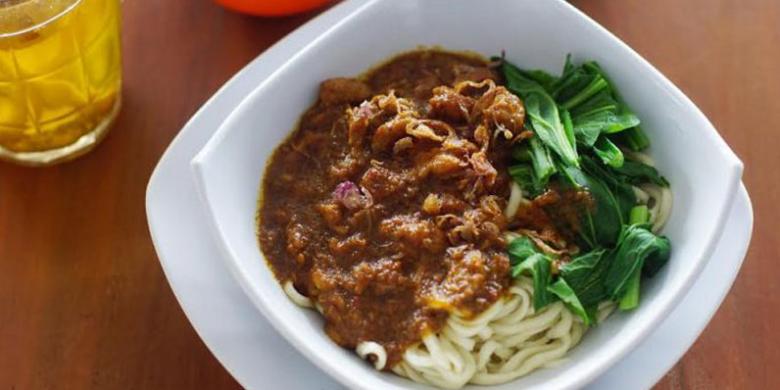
703	171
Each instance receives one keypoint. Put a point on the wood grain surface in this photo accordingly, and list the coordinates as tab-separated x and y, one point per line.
84	303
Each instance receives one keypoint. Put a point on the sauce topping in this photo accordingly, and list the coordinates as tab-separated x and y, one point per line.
385	206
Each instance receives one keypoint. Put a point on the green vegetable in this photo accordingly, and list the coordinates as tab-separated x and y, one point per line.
633	136
568	127
638	215
601	222
602	114
587	133
533	177
538	267
623	193
524	175
631	299
585	274
564	292
526	259
660	251
521	248
568	66
574	80
635	139
635	172
604	107
595	85
612	202
542	112
541	162
594	104
546	80
581	109
608	152
636	246
521	153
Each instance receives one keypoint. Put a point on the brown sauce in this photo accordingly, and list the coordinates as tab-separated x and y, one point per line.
385	205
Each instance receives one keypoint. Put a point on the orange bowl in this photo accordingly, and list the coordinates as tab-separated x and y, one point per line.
272	7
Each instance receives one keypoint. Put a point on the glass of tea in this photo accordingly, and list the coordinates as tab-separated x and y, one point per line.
60	77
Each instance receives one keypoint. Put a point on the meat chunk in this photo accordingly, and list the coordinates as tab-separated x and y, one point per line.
469	272
387	116
349	165
482	225
388	133
459	147
331	214
341	90
432	204
449	105
435	204
440	164
413	233
403	144
358	119
297	240
382	182
424	131
483	168
348	246
380	277
502	110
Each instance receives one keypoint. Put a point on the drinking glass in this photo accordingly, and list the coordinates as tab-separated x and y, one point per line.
60	77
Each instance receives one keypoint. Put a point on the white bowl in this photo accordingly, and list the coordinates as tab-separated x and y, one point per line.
703	171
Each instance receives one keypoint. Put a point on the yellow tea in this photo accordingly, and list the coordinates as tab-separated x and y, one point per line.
60	77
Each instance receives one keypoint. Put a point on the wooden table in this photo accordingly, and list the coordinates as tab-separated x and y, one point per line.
84	303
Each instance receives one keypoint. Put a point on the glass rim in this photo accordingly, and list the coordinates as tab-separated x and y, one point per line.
39	25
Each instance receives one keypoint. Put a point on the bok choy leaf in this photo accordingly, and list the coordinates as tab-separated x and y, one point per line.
541	161
564	292
542	112
612	201
636	248
608	152
527	260
635	172
585	275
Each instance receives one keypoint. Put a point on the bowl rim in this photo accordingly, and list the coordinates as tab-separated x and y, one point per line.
331	367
